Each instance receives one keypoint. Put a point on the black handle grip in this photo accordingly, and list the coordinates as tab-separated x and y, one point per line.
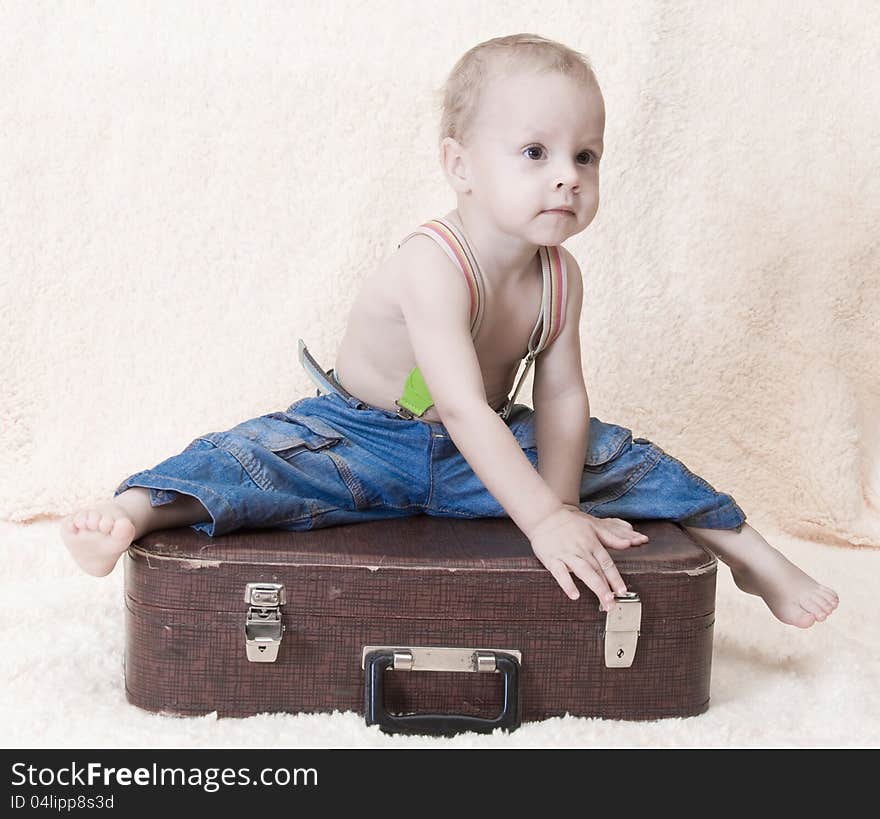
375	664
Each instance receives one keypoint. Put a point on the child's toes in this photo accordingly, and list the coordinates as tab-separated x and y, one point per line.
810	604
831	598
67	524
826	605
123	529
805	619
106	524
93	519
79	520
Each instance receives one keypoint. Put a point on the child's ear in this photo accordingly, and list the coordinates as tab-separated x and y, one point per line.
454	161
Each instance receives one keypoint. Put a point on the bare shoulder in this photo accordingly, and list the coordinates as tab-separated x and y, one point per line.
421	265
418	262
420	253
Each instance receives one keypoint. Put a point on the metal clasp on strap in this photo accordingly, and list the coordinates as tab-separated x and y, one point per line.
403	412
529	359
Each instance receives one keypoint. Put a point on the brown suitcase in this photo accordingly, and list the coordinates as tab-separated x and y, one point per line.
264	620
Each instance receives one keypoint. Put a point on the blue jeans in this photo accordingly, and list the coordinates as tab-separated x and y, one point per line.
332	459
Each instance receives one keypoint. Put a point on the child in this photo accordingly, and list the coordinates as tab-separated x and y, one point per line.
430	353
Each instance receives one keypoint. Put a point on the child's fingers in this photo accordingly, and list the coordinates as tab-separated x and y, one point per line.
560	571
618	534
597	578
635	540
615	541
626	530
609	569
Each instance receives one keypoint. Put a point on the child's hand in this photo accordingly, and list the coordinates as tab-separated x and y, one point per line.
571	541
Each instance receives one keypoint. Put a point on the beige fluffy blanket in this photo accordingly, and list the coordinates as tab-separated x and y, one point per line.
185	190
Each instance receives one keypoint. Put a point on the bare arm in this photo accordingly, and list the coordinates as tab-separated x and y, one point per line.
435	303
562	428
490	448
562	407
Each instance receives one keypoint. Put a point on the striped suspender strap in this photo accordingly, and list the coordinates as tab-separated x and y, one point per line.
552	318
555	295
456	247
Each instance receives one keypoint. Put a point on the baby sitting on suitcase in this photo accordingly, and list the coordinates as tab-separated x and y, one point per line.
423	423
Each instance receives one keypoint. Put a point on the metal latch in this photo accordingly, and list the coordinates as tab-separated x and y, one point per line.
263	627
622	630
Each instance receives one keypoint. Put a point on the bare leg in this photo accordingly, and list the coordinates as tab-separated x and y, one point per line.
98	535
757	568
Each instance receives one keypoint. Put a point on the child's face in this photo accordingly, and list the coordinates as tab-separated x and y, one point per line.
536	145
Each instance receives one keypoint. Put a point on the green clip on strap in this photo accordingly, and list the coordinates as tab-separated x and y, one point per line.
416	397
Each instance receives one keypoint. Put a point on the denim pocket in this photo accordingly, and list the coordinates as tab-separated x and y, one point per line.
607	441
285	435
279	433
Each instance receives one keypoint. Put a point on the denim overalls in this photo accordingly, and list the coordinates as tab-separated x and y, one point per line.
333	459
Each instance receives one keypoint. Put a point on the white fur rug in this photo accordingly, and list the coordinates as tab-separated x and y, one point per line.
772	685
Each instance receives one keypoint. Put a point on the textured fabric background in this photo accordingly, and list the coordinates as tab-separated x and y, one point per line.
187	188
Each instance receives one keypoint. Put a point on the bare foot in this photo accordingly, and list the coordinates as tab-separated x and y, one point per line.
97	536
791	594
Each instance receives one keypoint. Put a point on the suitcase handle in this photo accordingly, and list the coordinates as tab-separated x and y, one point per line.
375	664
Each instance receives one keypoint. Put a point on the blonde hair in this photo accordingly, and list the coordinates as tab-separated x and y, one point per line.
460	96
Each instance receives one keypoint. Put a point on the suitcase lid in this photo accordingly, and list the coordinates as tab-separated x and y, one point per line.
391	567
420	541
